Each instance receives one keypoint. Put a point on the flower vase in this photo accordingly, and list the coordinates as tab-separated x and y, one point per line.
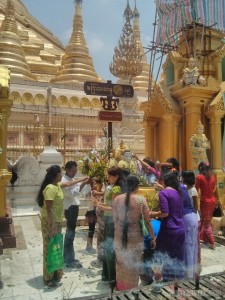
157	284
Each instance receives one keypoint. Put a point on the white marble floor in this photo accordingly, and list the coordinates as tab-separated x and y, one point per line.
21	268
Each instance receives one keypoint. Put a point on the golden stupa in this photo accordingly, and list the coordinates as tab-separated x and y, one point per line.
11	51
76	63
140	83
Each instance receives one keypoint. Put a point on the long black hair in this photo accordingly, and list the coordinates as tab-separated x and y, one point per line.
50	177
204	169
121	181
132	183
170	180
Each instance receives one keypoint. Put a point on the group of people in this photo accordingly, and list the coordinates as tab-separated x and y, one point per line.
119	208
183	224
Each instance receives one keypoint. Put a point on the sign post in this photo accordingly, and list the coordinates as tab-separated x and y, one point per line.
109	104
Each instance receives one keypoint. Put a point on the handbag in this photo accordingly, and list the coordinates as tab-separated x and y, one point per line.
144	229
55	259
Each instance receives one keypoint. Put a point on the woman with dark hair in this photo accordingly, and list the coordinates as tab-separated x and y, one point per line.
206	183
171	235
127	212
117	185
50	199
174	162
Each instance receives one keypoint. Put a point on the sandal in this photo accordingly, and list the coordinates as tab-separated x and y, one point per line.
50	284
213	247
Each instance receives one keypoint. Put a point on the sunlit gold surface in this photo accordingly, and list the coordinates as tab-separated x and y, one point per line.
76	63
11	51
5	106
127	56
141	81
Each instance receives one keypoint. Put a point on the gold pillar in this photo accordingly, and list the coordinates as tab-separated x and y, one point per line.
176	137
215	139
216	151
166	145
192	98
5	105
149	126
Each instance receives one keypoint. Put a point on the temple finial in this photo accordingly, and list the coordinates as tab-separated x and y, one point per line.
76	65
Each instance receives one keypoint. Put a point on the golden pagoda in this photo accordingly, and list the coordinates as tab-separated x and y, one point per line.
11	51
140	83
76	65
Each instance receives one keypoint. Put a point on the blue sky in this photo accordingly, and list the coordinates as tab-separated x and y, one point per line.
102	20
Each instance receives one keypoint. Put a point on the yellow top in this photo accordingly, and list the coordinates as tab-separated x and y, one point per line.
53	193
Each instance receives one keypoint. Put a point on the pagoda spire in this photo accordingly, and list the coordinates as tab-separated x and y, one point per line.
11	51
76	64
126	62
141	81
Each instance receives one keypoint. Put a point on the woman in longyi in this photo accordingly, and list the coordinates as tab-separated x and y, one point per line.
128	238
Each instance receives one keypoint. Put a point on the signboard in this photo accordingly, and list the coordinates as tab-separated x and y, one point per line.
108	89
110	116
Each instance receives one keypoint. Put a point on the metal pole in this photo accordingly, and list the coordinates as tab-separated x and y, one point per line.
110	144
49	101
64	144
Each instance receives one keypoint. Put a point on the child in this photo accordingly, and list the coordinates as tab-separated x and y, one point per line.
91	217
189	180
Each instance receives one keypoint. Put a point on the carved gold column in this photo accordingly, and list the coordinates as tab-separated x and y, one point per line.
149	126
166	144
5	105
5	175
176	138
215	139
216	150
7	233
192	98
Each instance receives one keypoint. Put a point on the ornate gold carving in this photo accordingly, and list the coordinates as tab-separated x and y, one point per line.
16	98
74	102
127	58
54	101
95	103
63	101
85	103
219	53
157	95
219	104
39	99
27	99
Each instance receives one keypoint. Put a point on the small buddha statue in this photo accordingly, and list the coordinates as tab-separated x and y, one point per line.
127	162
113	160
191	74
199	144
